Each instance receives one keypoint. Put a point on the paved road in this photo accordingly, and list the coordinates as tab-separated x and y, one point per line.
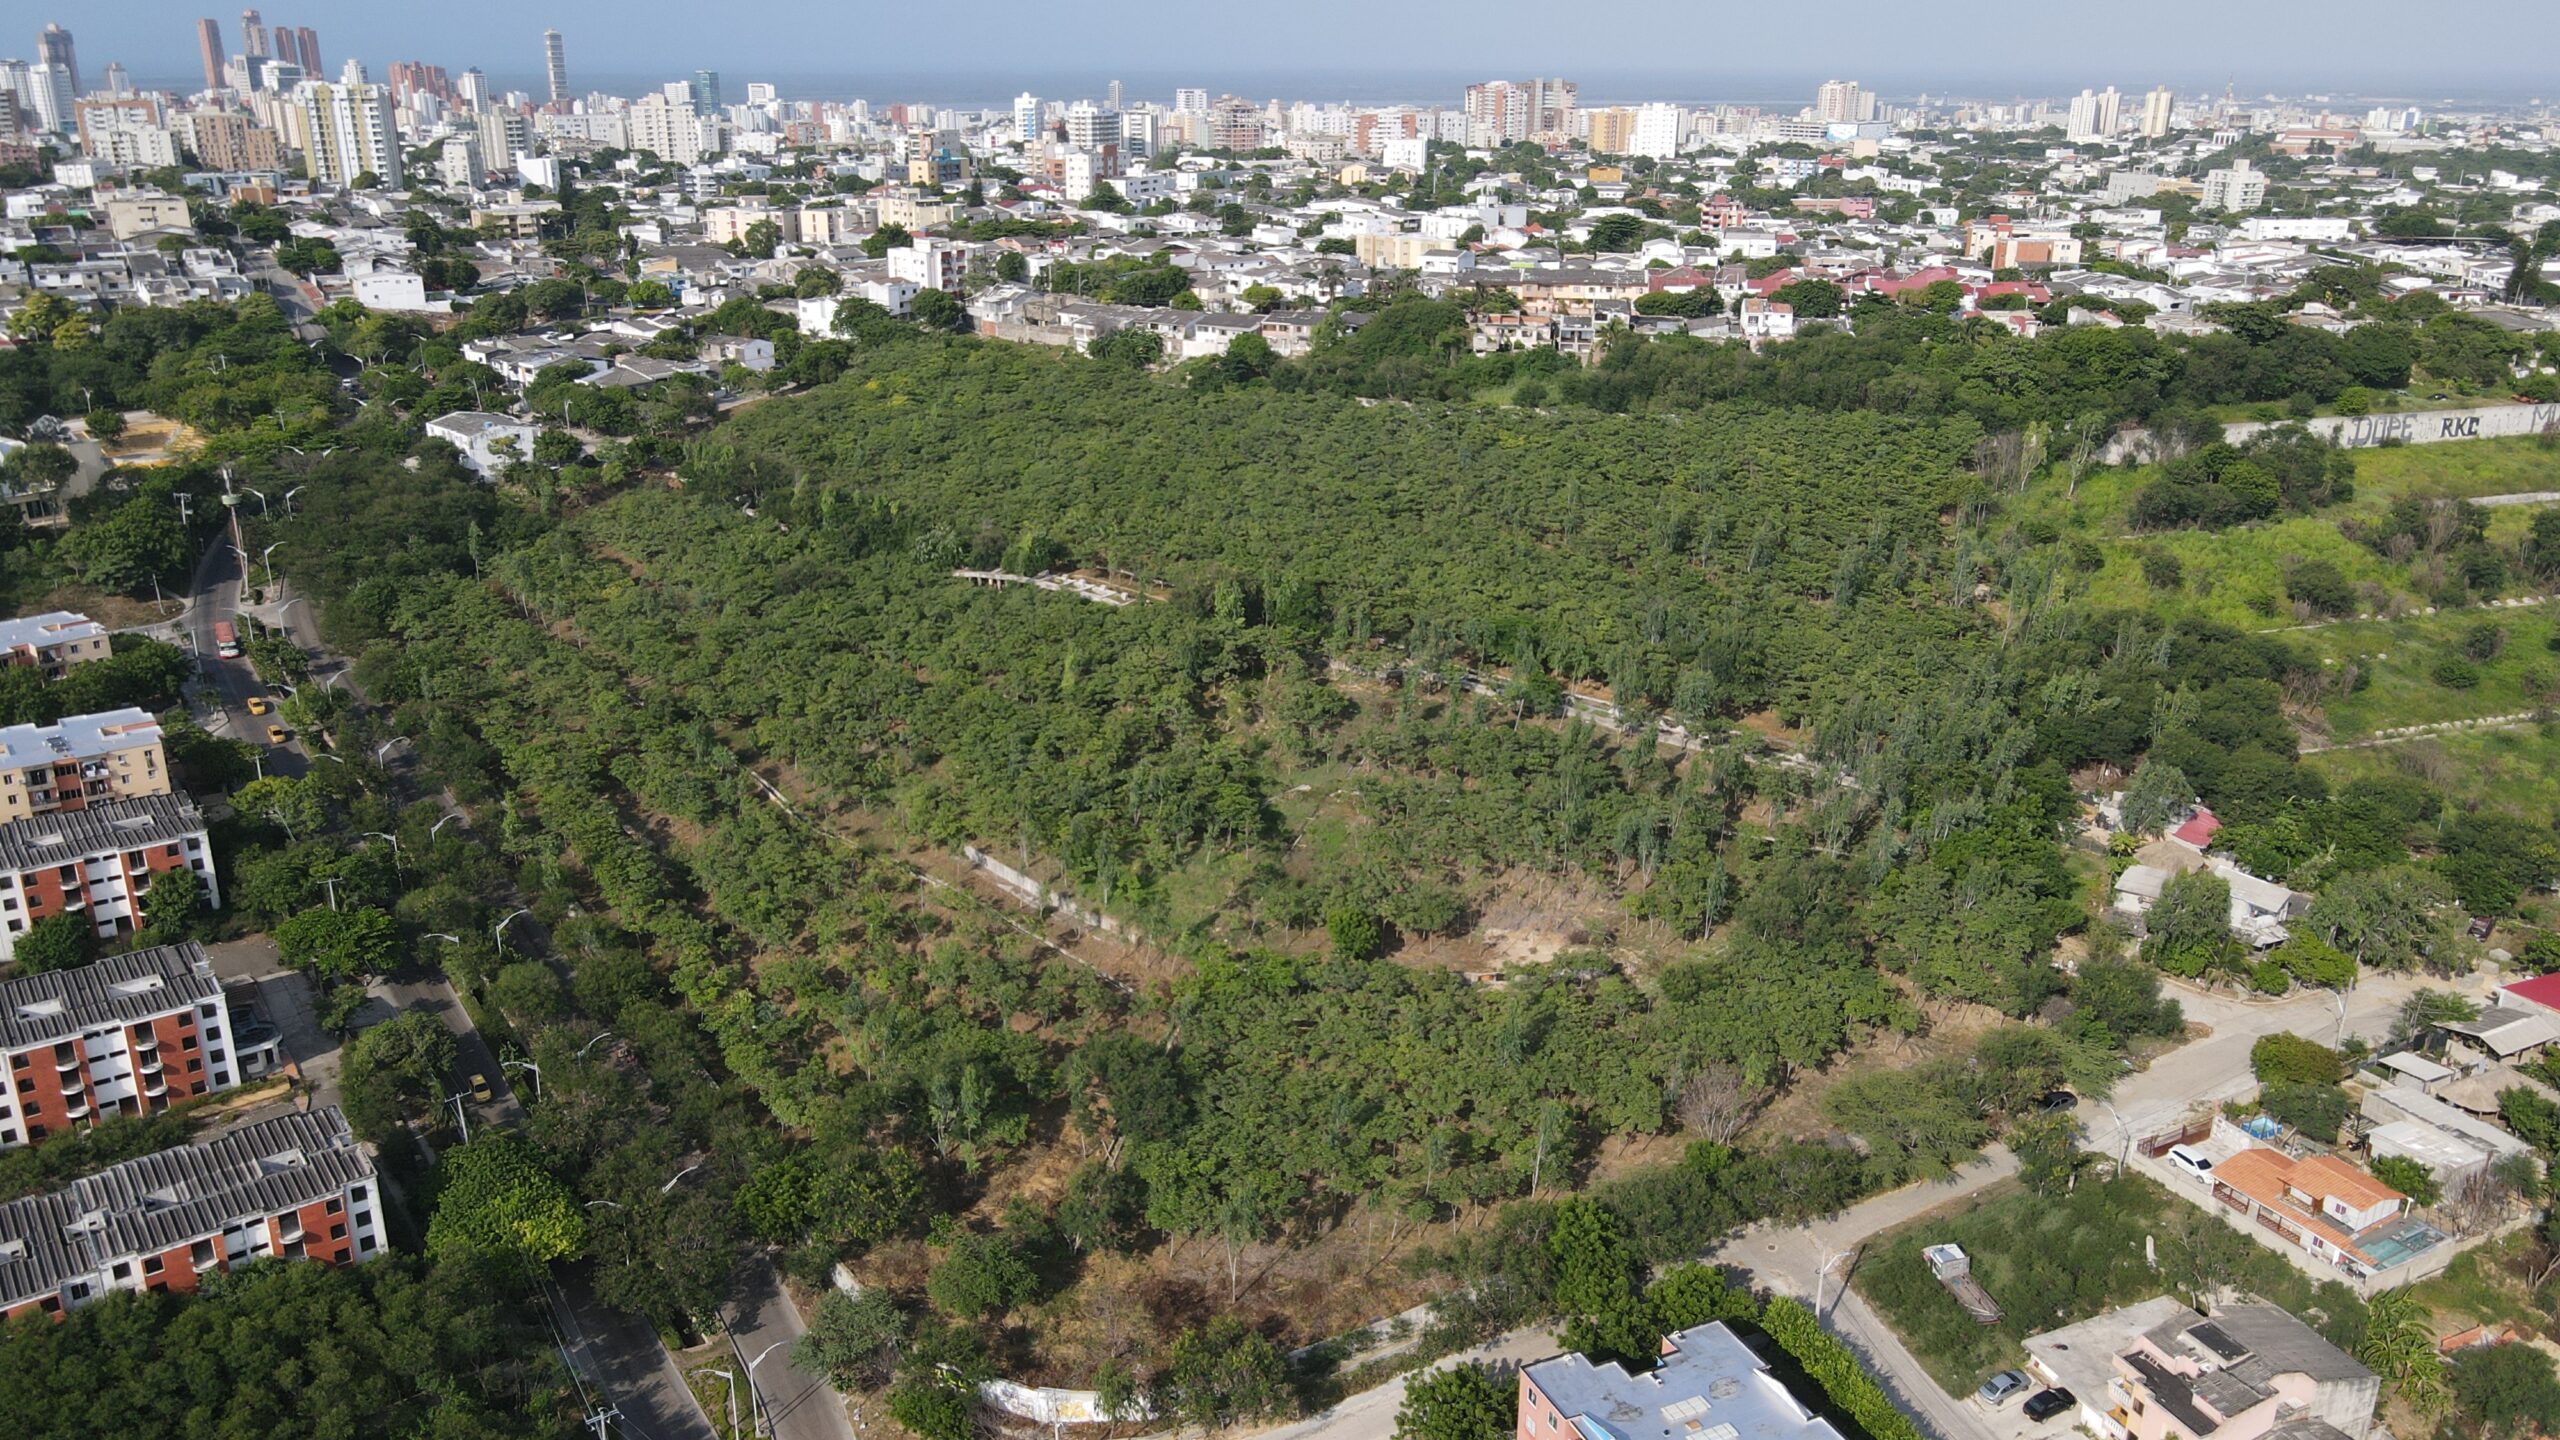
221	699
620	1363
2207	1072
764	1322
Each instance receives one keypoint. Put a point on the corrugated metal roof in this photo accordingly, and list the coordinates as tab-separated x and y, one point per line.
154	1204
66	837
119	990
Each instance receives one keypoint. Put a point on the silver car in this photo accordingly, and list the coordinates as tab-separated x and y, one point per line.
2002	1388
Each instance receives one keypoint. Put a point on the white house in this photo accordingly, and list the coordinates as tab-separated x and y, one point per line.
488	442
391	290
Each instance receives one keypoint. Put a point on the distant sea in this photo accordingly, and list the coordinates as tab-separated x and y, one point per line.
994	88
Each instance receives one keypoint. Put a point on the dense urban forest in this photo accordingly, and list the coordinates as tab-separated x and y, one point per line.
1391	667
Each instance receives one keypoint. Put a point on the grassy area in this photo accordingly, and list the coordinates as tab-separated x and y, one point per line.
2487	1286
2052	1260
711	1392
2236	577
2512	770
2402	658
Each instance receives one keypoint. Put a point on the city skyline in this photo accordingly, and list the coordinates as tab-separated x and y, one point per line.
620	46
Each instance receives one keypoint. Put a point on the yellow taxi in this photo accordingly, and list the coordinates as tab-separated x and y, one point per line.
258	705
275	735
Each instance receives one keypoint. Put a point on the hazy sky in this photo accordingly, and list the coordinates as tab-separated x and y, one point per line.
1367	49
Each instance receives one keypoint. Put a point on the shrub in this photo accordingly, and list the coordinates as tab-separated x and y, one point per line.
2408	1177
2318	584
2161	570
2315	1110
2484	641
1836	1370
2284	1059
2455	673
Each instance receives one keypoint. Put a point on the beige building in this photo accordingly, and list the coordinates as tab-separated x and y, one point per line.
520	220
127	218
913	212
1613	130
1401	250
53	643
228	140
86	759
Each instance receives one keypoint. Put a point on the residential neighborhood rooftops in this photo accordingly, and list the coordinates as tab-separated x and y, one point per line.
60	837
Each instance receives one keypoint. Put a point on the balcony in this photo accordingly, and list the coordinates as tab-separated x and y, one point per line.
155	1086
78	1110
69	1066
148	1064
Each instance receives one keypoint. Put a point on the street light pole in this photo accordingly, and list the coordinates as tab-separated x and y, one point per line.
755	1392
526	1065
591	1044
498	932
670	1186
447	820
732	1378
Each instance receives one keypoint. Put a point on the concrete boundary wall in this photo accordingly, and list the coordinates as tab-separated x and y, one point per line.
2360	432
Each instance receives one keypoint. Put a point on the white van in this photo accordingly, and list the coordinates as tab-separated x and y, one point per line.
2190	1162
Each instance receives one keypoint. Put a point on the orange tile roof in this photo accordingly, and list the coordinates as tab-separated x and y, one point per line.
2327	1175
2263	1175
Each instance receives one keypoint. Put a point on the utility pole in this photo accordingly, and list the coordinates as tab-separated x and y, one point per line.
600	1417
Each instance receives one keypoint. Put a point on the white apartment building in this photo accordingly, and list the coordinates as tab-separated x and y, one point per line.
2238	186
347	132
931	264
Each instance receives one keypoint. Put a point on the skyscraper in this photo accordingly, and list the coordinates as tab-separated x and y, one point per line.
705	92
1111	96
555	64
1190	100
1026	116
209	49
2156	108
1839	102
253	35
53	47
306	44
474	89
118	82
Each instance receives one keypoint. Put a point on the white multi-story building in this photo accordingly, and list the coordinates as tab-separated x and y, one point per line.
1658	130
347	132
2238	186
931	264
671	131
1089	127
458	161
1026	117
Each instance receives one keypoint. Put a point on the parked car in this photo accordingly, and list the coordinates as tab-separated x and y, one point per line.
2481	925
2054	1102
479	1088
2191	1162
2045	1404
2002	1388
